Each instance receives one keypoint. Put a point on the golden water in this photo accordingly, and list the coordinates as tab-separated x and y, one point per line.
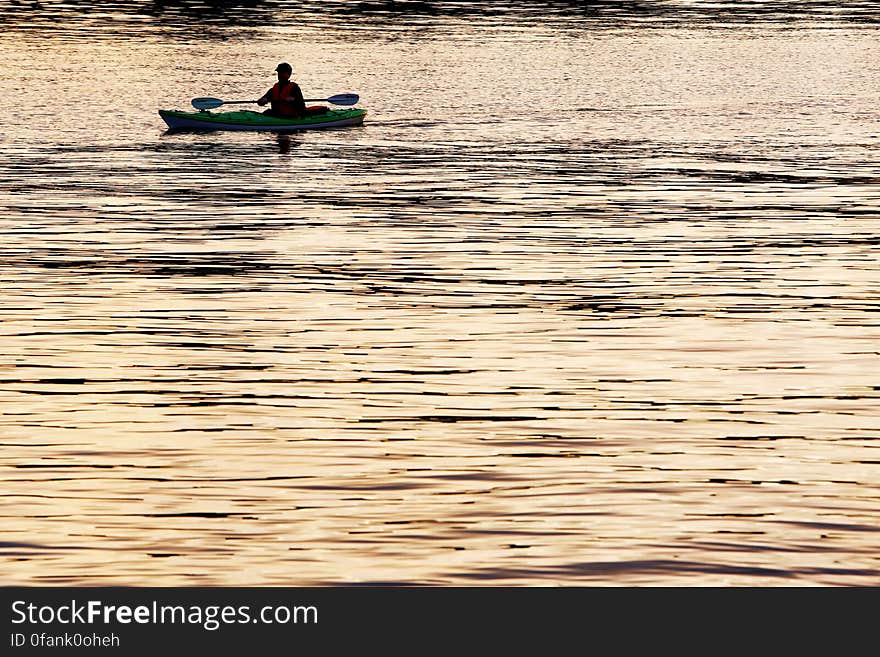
583	302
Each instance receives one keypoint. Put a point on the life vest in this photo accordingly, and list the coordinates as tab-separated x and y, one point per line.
284	107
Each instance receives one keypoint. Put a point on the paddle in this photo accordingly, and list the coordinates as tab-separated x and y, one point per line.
211	103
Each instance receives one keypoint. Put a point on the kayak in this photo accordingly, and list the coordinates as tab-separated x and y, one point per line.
248	120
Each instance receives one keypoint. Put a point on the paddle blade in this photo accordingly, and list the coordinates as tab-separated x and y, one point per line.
344	99
206	103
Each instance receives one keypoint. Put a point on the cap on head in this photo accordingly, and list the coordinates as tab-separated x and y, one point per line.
284	66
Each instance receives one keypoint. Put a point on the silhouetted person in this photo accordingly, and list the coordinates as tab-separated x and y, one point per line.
285	96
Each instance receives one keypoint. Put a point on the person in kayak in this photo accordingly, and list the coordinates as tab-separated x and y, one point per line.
285	96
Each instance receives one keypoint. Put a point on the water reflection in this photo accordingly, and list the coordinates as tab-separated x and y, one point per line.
203	16
285	141
592	310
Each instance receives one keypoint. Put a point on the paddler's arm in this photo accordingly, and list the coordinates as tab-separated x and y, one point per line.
264	98
296	97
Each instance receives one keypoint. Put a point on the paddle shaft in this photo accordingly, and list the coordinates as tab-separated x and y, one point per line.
211	103
245	102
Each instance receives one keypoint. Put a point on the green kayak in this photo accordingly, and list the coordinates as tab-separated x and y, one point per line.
248	120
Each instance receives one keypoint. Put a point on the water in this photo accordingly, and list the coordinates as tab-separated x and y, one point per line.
591	298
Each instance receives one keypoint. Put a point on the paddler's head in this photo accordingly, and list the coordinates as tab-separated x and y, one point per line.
284	70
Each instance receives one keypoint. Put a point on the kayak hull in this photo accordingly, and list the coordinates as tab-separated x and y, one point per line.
247	120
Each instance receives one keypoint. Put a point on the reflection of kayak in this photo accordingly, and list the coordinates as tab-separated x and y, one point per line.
247	120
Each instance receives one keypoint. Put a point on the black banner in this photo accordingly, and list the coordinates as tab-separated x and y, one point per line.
403	619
